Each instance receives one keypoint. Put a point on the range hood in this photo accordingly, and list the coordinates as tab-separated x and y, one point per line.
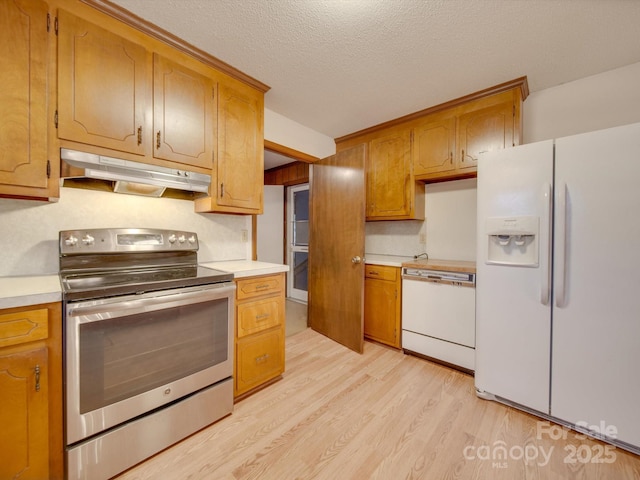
126	172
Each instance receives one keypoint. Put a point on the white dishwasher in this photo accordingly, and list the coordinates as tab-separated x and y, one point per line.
439	316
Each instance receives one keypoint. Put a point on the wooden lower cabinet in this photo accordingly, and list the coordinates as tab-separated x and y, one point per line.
259	332
382	304
31	392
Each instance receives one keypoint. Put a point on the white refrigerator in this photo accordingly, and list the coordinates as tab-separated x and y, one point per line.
558	281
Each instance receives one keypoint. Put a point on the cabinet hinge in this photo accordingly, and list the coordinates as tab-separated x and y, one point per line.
48	169
55	118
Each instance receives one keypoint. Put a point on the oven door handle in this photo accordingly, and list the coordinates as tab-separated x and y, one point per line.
98	310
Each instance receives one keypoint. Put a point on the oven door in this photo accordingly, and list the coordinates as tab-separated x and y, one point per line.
126	356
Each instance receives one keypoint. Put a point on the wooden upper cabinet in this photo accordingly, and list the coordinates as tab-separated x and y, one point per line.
24	60
390	184
447	139
433	145
183	114
103	87
239	166
483	130
240	150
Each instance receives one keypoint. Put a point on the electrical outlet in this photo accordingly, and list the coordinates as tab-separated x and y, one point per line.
245	236
423	238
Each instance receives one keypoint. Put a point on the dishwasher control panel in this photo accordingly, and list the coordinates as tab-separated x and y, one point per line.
452	278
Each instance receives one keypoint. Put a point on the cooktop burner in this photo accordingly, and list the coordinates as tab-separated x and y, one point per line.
102	263
103	284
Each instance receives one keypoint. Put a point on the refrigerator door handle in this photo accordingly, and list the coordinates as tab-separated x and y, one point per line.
545	243
561	251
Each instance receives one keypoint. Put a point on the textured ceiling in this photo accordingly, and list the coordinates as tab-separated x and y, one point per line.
338	66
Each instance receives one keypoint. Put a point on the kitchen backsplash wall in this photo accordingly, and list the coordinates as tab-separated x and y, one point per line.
449	231
29	240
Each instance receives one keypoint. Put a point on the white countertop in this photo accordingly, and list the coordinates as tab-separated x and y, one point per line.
388	260
33	290
247	268
30	290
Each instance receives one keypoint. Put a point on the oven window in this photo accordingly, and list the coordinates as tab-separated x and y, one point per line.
126	356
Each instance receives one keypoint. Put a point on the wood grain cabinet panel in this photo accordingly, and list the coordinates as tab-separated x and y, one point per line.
104	89
433	144
484	130
260	358
24	436
259	315
382	304
31	392
445	142
240	150
259	332
391	189
24	61
183	114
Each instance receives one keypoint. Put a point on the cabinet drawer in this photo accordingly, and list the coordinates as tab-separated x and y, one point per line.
23	327
258	286
259	315
381	272
259	358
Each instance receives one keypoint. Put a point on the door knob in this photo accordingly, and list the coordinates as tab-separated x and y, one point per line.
356	259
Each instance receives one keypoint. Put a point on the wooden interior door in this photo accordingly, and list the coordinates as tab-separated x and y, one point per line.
336	247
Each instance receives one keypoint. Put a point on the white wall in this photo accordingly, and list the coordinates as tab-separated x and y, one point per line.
281	130
270	227
592	103
29	240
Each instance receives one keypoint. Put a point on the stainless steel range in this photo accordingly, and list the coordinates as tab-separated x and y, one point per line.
148	345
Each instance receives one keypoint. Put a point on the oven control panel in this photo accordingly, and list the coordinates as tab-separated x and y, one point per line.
112	240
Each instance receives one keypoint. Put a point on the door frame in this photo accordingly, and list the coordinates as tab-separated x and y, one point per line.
291	249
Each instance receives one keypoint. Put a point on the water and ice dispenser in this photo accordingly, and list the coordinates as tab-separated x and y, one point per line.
513	241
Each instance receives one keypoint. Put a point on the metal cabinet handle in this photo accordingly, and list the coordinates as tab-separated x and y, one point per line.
37	378
140	135
158	139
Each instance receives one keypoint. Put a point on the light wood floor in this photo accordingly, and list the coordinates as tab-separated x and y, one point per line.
380	415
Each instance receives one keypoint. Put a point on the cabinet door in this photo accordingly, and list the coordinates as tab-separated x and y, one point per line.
24	434
240	171
23	96
103	87
389	176
433	146
486	129
382	305
259	358
183	113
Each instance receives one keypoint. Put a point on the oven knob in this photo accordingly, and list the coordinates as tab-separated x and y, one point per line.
181	239
71	241
192	239
88	239
172	238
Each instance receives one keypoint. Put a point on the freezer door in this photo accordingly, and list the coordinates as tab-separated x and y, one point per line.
596	316
513	313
